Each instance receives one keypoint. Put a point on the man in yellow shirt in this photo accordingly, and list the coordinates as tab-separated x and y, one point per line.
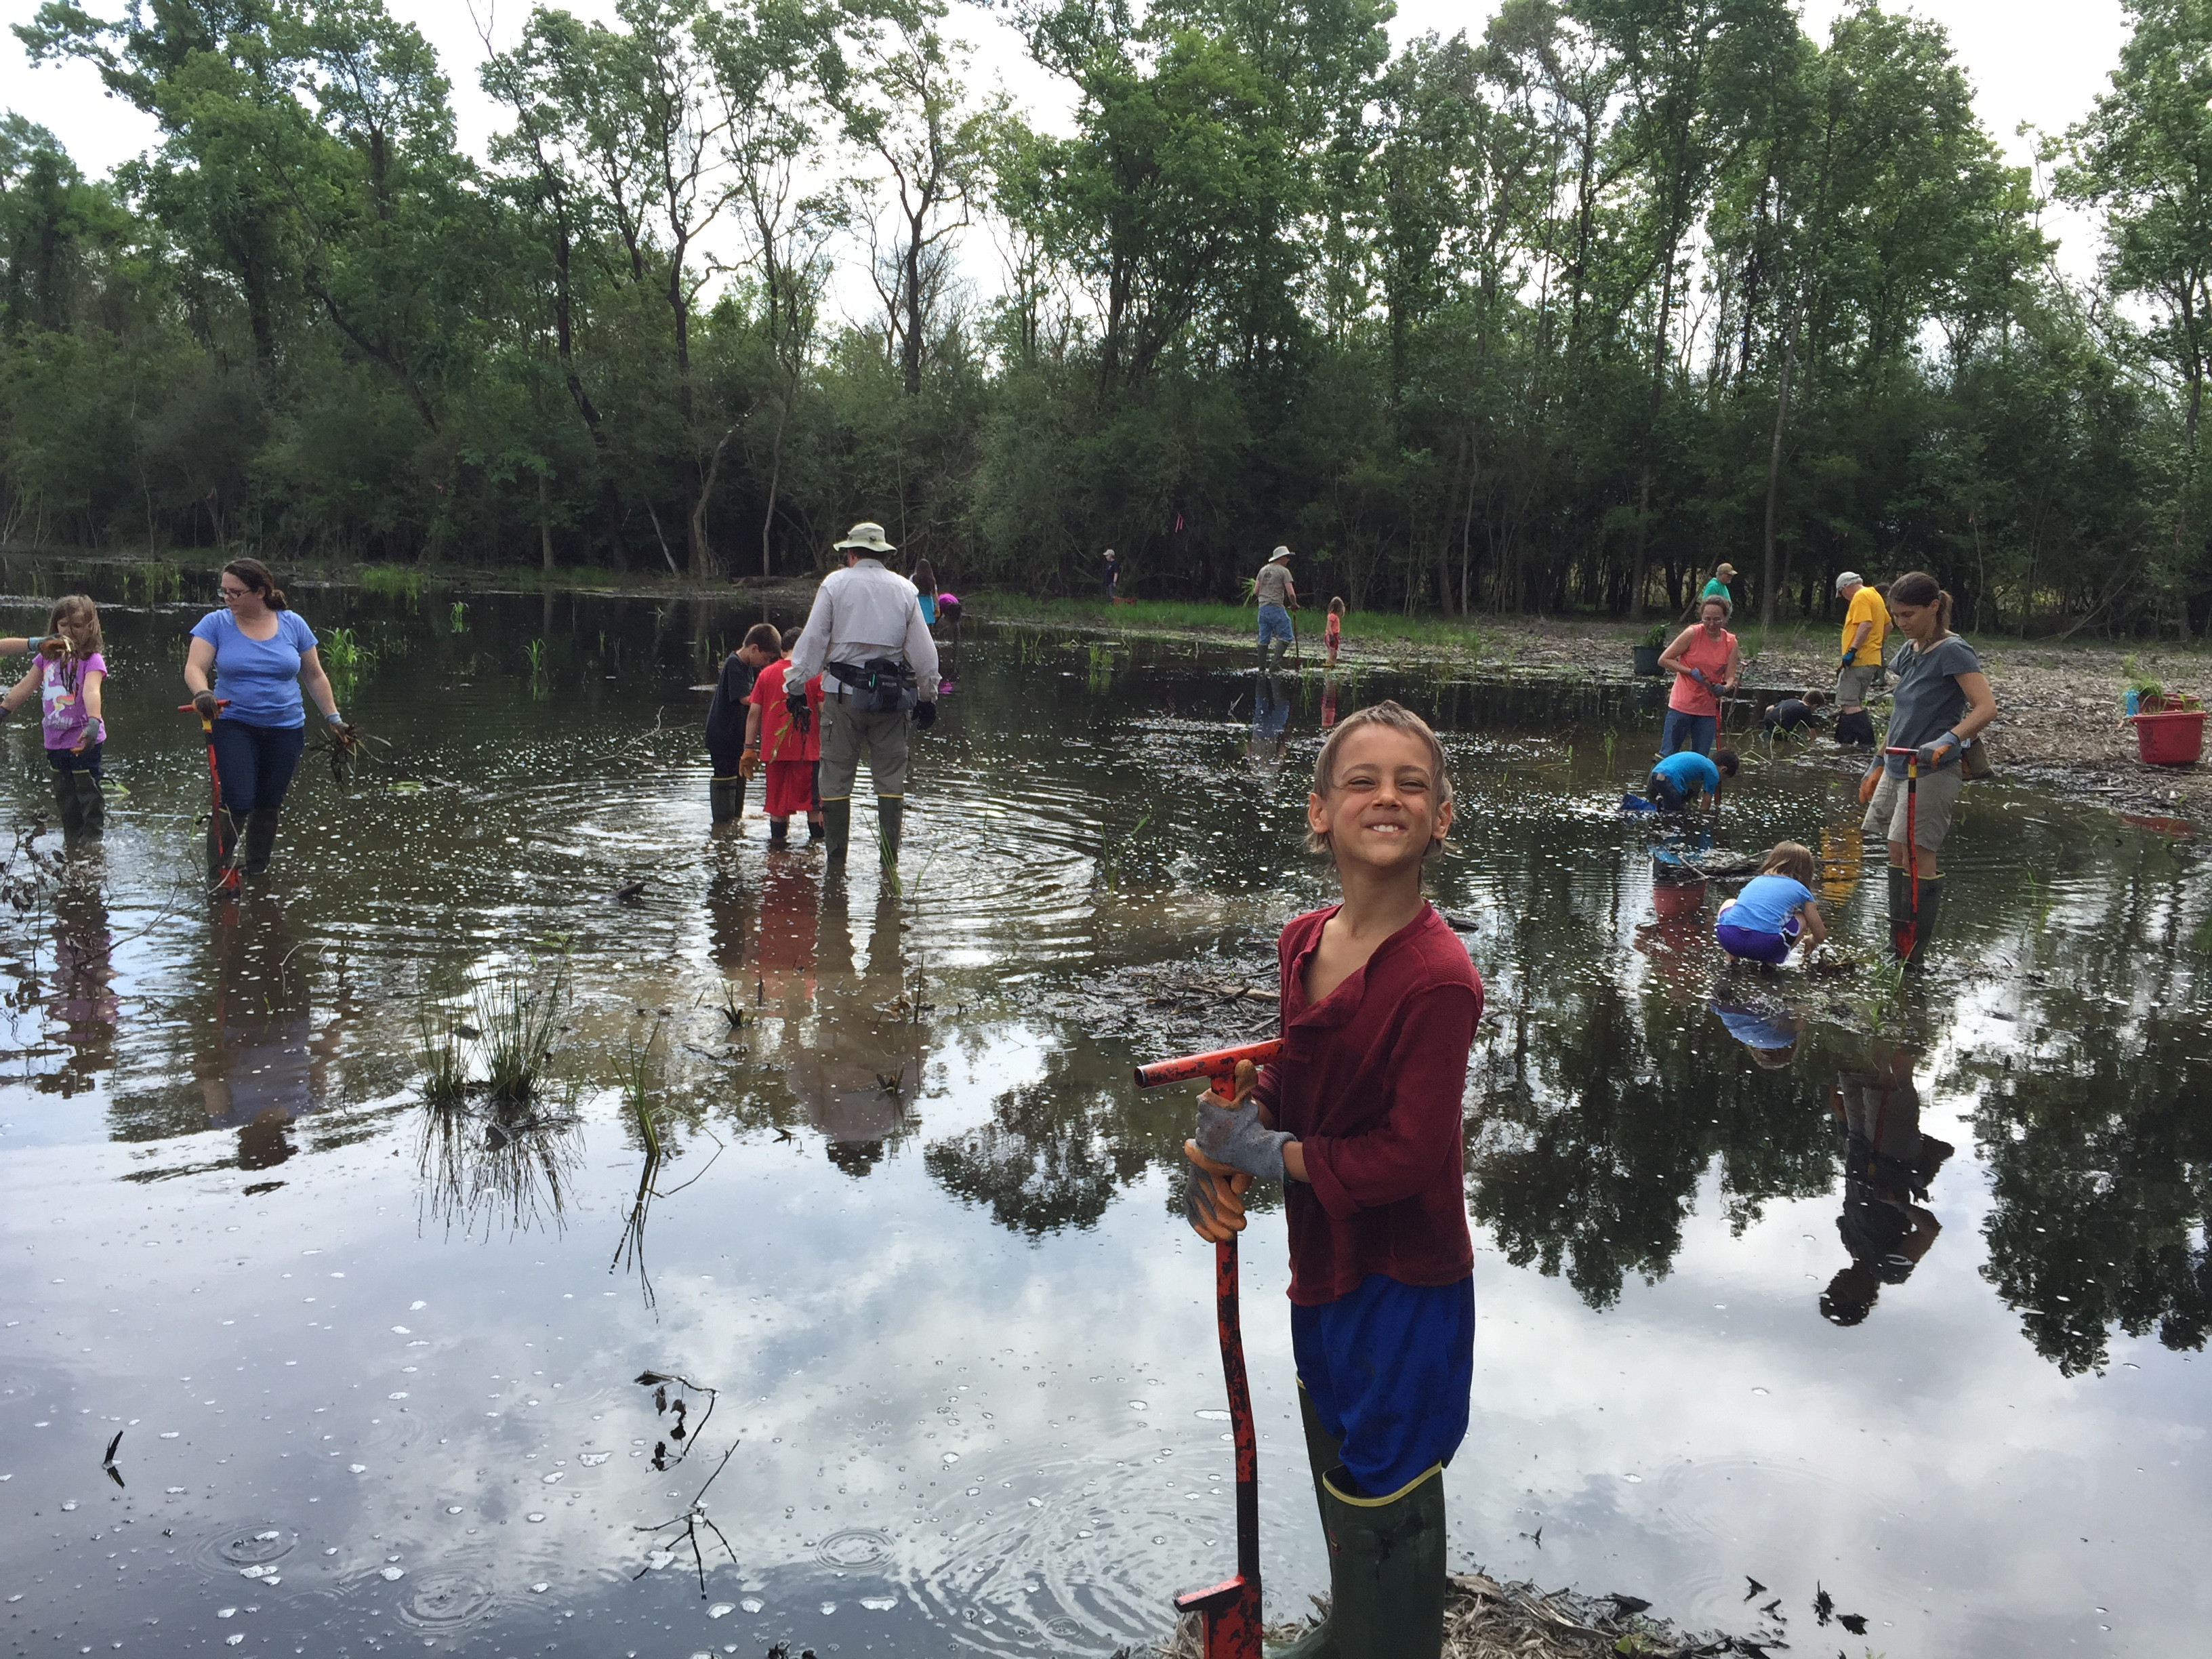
1866	622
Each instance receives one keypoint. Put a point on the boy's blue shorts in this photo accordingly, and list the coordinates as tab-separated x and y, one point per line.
1390	1369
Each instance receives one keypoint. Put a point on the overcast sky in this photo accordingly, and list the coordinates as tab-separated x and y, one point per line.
2038	62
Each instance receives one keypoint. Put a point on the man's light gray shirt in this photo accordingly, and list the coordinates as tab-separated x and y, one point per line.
861	612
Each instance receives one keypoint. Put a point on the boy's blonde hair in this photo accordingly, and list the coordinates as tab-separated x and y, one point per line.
1791	859
1398	718
77	608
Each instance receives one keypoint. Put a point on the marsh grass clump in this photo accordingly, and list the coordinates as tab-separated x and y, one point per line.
392	581
637	1090
439	1035
519	1015
154	581
345	656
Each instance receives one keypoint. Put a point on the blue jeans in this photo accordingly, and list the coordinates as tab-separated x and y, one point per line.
256	762
1275	624
1685	731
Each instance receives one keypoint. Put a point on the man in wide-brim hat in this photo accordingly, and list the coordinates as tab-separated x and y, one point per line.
867	639
1276	594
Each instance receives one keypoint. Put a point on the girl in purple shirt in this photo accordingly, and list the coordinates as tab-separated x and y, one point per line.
68	688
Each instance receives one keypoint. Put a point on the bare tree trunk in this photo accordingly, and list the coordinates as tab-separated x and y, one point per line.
545	525
774	480
1769	583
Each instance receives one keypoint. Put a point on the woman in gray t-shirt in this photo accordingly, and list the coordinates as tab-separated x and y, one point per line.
1942	702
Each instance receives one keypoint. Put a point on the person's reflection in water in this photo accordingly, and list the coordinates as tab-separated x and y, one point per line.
82	1005
1676	940
1271	719
1769	1031
730	928
262	1067
1887	1166
862	1071
1841	847
1328	702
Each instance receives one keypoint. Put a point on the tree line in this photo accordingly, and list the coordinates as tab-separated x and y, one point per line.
1553	319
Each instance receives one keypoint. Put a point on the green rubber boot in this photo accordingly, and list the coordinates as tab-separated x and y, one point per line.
1386	1569
725	798
260	839
837	828
1322	1455
890	821
92	805
1924	918
68	803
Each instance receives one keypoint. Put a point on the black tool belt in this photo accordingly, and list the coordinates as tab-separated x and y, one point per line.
881	685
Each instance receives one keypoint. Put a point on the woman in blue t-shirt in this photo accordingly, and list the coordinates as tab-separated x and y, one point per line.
1775	911
259	652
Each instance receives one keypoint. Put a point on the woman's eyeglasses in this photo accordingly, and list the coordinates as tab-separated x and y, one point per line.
236	592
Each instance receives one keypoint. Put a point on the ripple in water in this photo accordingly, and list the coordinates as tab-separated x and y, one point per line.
247	1544
444	1599
853	1548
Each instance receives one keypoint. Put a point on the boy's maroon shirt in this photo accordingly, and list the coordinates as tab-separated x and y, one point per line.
1370	1081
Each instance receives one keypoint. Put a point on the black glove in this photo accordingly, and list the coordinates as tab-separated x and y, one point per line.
204	704
925	714
801	716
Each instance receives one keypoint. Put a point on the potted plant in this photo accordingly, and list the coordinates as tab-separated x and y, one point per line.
1647	650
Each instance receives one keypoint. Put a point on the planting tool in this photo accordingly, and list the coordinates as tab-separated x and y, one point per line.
1230	1611
218	860
1902	939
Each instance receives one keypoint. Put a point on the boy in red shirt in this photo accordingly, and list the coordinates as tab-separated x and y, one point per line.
793	756
1360	1120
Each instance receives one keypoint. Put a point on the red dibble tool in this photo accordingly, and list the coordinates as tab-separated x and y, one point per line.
1231	1609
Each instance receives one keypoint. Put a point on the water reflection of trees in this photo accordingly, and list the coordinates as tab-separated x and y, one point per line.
1597	1129
1051	1156
2101	1177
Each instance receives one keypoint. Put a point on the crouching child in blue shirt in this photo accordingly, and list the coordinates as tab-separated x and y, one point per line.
1775	912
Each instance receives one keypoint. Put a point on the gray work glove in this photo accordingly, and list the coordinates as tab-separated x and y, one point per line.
1928	752
1233	1135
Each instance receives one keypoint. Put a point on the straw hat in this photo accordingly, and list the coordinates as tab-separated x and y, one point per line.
867	537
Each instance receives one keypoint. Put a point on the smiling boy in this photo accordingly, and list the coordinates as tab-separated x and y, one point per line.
1360	1120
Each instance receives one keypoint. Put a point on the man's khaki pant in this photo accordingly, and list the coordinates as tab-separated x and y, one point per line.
847	736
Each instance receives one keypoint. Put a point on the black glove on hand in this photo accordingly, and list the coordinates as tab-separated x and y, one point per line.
204	704
801	715
925	714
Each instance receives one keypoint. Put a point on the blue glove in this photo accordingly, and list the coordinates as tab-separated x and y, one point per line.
1848	656
1235	1136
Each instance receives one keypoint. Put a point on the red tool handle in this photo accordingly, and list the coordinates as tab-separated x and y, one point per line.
1219	1066
188	708
1229	1612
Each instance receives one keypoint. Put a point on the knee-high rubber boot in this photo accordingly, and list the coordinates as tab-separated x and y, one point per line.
1386	1568
92	805
1900	907
1322	1455
1923	918
68	804
725	798
260	838
1856	727
837	828
890	820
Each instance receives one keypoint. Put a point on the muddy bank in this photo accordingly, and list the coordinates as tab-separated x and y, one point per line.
2059	724
1485	1618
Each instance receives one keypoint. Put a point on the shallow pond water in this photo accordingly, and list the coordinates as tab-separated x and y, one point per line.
375	1364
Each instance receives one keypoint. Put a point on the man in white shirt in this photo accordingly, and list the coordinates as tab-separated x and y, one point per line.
867	639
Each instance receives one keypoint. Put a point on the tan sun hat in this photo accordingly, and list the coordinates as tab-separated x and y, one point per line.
1726	572
1849	579
867	537
1280	553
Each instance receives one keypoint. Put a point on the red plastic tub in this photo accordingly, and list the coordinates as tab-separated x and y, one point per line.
2175	739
